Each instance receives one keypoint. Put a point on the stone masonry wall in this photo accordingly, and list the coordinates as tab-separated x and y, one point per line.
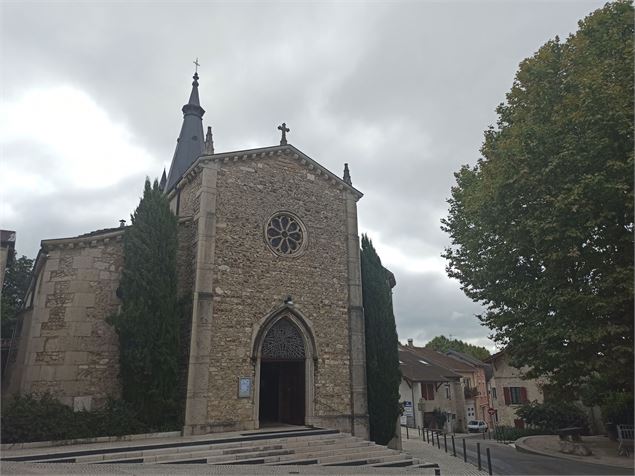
250	280
71	351
507	376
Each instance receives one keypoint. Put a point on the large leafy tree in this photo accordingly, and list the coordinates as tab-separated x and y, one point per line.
148	323
382	357
542	226
443	344
16	282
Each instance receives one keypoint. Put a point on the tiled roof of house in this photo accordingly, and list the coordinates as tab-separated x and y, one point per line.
418	369
443	360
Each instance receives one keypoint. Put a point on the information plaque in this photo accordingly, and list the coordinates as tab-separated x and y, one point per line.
244	387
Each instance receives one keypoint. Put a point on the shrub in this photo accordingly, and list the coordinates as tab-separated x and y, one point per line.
28	418
618	408
440	417
551	416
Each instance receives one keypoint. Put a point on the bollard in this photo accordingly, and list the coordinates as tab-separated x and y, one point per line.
483	435
407	437
438	441
464	452
453	447
478	454
437	471
445	442
489	462
419	430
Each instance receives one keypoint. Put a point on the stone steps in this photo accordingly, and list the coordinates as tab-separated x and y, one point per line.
137	450
230	451
304	446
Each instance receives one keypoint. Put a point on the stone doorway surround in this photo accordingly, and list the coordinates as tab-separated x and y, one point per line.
305	329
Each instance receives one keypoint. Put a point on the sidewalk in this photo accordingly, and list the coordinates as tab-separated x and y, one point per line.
604	450
450	465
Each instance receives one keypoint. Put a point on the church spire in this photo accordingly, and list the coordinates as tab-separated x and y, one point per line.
190	144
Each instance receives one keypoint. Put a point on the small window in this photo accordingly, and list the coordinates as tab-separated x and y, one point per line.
448	393
514	394
494	392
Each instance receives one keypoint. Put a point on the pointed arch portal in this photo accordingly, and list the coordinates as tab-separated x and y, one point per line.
284	353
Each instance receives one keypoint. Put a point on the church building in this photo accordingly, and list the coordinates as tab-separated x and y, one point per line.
269	251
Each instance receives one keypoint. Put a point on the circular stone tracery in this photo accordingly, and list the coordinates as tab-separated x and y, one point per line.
285	234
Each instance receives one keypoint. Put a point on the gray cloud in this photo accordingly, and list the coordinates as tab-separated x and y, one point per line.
401	91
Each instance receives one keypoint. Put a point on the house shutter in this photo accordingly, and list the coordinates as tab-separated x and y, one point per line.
523	394
507	395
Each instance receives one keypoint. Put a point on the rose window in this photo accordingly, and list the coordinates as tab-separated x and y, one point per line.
285	234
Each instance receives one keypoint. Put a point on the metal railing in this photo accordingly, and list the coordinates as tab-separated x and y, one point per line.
430	435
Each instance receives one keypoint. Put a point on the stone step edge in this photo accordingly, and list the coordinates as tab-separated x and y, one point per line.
304	454
273	459
181	452
332	446
43	457
214	459
267	454
211	449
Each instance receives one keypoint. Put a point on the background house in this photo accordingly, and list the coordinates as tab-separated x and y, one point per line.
482	373
426	387
473	380
508	390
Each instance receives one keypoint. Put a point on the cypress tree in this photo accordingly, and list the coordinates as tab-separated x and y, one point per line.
382	357
148	323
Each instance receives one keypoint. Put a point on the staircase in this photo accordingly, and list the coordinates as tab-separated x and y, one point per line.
298	446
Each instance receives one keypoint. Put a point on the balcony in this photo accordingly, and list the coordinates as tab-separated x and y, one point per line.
471	392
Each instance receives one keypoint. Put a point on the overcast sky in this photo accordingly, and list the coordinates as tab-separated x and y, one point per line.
402	91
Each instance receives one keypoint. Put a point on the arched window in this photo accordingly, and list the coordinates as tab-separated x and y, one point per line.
283	342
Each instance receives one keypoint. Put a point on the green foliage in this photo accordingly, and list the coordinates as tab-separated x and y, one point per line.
148	324
618	408
553	415
542	227
382	358
507	434
16	283
443	344
27	418
440	417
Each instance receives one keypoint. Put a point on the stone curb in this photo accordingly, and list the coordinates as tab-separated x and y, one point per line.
523	448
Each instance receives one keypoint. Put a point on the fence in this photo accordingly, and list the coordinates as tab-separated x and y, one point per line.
429	436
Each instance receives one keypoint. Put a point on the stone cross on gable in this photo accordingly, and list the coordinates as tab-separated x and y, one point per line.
283	127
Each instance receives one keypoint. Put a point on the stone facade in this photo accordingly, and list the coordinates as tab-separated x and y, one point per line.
240	282
504	400
65	346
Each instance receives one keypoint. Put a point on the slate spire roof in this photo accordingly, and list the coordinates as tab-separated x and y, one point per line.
191	142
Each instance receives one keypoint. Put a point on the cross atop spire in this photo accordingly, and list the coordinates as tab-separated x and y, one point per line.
197	65
283	127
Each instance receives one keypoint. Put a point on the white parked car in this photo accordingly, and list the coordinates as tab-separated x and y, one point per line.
476	426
